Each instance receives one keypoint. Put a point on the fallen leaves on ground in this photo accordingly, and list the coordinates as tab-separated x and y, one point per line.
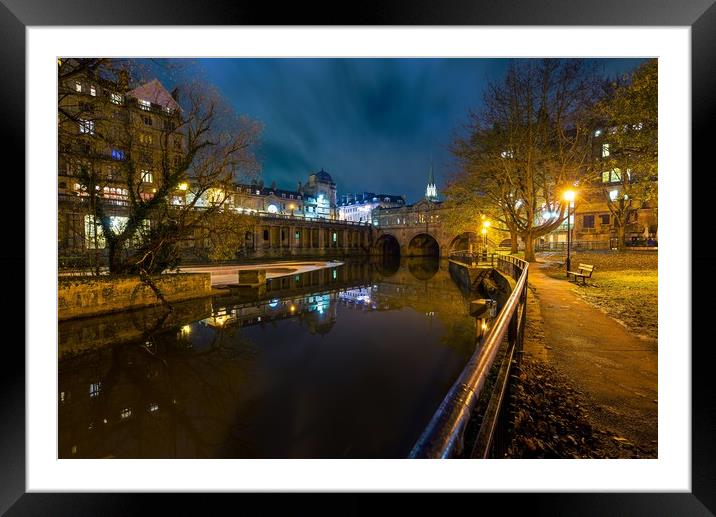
550	420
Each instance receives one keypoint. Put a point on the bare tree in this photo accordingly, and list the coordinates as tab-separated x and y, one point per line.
528	143
173	160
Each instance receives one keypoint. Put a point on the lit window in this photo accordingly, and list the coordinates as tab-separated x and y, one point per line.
147	176
613	194
638	127
153	407
605	177
598	132
507	154
116	98
94	240
125	413
146	139
335	237
147	120
272	209
78	86
94	389
145	105
605	150
87	126
117	154
93	90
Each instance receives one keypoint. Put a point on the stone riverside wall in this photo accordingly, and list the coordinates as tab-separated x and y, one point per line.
90	296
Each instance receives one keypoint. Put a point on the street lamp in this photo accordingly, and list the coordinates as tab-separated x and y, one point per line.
569	198
485	226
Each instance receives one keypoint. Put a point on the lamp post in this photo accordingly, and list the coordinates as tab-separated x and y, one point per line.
569	197
485	226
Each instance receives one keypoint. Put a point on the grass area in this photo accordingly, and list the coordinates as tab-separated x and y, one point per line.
624	284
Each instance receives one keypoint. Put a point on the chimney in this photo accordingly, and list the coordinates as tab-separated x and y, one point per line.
174	93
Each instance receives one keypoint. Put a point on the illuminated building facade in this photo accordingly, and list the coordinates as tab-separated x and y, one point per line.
359	207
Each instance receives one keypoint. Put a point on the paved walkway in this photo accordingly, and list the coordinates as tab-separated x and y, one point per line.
616	371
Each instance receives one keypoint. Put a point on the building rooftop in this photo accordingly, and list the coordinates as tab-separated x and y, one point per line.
154	92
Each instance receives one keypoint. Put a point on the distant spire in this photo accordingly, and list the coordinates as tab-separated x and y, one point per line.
431	191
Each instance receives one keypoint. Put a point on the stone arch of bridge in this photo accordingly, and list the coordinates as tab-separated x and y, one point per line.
423	245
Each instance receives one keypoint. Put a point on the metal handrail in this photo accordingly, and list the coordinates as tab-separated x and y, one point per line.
443	437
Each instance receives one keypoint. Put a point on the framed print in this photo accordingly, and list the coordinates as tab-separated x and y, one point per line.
411	250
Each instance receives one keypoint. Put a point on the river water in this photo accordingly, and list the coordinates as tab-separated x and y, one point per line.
345	362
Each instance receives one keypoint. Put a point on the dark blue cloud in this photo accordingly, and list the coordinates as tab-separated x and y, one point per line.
374	124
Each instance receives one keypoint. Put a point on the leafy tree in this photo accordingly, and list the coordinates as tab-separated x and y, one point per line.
629	114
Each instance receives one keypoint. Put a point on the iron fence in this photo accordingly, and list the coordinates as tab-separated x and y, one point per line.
444	436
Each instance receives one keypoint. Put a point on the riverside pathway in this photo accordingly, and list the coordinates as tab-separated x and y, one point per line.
614	369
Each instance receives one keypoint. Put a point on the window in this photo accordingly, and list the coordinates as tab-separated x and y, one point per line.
604	219
613	194
87	126
147	176
125	413
112	172
147	120
588	221
94	238
598	132
177	143
283	195
78	86
611	176
116	98
95	388
117	154
146	139
177	161
93	90
507	154
266	235
605	150
145	105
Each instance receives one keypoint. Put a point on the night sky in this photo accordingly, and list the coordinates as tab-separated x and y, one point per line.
373	124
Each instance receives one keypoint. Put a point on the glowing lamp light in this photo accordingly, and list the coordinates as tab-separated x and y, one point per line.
484	231
486	224
568	195
183	186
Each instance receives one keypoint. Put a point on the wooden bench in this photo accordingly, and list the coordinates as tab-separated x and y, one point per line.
585	271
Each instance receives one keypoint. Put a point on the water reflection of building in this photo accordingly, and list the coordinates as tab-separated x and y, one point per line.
174	394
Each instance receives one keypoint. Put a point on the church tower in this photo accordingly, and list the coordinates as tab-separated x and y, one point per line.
431	191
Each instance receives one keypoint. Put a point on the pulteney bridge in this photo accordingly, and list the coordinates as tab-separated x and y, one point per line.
418	230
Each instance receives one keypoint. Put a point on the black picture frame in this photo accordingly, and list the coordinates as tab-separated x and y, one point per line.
700	15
